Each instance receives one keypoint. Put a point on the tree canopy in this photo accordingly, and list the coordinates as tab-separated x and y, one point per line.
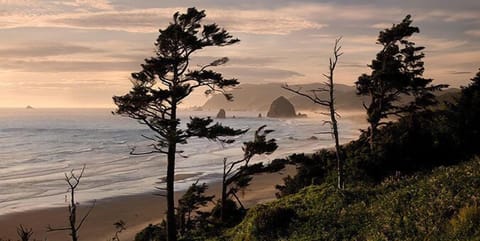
397	73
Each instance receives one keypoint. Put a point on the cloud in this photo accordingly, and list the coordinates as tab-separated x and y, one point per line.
97	4
352	65
28	50
282	19
381	26
278	21
254	75
455	58
286	19
145	21
253	61
474	33
69	83
459	72
449	16
437	44
17	2
70	66
149	20
85	4
236	60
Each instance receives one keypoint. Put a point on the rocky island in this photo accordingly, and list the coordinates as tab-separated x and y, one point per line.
281	108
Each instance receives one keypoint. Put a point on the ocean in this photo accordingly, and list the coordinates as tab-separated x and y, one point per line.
37	146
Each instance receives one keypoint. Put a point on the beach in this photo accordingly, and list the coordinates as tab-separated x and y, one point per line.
137	211
40	146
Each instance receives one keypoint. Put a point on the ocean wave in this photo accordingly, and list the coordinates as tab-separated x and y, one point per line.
35	156
69	152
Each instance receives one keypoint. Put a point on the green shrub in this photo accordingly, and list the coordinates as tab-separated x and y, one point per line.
311	170
272	221
235	213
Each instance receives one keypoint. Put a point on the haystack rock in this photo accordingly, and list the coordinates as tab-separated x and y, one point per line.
221	114
282	108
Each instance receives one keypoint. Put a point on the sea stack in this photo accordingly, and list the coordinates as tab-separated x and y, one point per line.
221	114
281	108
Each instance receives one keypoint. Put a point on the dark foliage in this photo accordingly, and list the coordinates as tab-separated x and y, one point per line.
422	141
311	170
238	174
152	233
276	165
189	216
272	222
396	73
467	115
235	213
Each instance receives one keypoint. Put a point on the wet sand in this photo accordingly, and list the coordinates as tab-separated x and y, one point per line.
137	211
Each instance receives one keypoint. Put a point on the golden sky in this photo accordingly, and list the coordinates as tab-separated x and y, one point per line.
79	53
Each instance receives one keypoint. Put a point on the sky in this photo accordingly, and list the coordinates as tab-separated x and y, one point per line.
80	53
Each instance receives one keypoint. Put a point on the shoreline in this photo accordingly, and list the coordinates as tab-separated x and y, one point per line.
180	179
137	211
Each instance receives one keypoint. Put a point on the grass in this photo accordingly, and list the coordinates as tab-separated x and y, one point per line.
440	205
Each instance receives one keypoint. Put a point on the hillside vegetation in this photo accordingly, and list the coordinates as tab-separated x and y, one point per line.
442	205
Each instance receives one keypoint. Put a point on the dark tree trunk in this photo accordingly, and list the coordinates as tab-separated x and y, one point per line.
372	135
73	216
340	172
171	227
223	210
333	113
172	149
238	200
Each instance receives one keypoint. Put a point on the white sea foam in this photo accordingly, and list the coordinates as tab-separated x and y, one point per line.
38	146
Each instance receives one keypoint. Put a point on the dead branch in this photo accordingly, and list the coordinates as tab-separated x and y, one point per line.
24	233
329	102
73	181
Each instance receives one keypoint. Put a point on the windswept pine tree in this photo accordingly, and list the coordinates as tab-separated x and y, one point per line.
397	71
167	79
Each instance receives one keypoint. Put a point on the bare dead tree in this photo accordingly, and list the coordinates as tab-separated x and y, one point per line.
73	180
24	233
329	102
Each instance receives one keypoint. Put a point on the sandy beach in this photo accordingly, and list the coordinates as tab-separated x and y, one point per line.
137	211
